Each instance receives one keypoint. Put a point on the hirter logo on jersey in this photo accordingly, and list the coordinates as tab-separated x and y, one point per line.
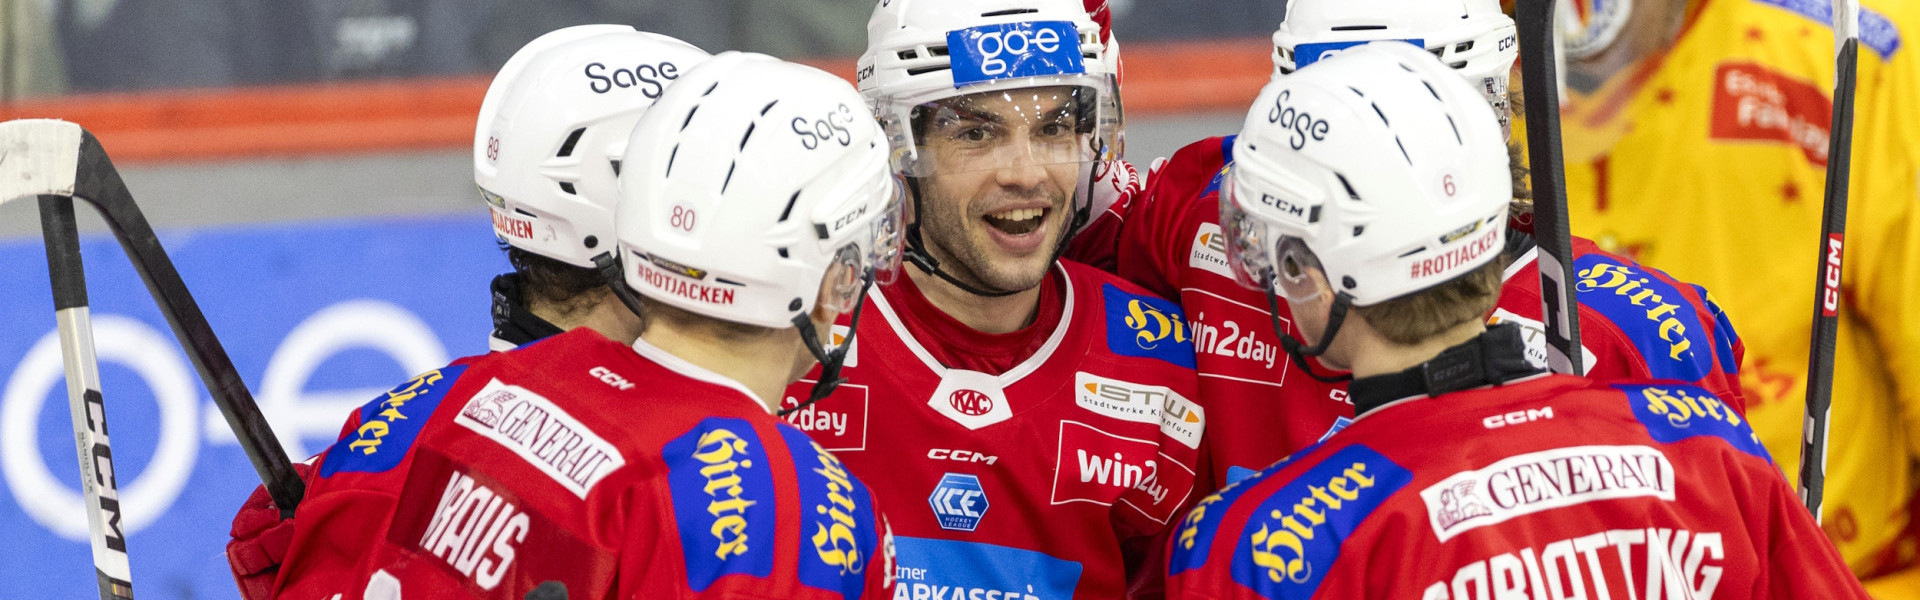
389	424
840	537
959	502
1652	313
1296	534
1672	413
1091	465
1145	326
723	500
1529	483
541	432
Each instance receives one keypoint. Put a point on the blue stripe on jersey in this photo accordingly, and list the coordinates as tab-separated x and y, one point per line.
1146	326
1672	413
1661	323
1197	529
1292	540
931	568
389	424
1724	335
838	534
723	503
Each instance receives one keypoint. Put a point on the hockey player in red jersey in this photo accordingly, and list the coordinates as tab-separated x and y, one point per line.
1382	233
1636	322
1031	421
545	155
651	470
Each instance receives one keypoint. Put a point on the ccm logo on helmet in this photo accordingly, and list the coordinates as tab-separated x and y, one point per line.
651	79
1301	122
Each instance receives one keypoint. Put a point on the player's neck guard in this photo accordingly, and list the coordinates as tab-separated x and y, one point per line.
513	322
1494	357
1298	350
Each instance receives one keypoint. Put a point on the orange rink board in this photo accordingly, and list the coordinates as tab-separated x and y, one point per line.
438	113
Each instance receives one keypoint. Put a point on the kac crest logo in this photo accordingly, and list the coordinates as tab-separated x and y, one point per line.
959	502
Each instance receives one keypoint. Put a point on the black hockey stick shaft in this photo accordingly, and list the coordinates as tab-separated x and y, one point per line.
1560	310
1826	301
98	183
112	569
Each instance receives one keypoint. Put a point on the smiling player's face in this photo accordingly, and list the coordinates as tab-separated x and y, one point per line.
1005	165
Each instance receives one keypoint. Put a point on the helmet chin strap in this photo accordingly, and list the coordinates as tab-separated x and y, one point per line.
917	254
609	269
830	360
1335	317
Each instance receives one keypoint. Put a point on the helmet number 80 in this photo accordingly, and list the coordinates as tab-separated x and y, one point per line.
681	219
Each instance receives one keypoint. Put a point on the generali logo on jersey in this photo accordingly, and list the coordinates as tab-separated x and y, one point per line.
1178	417
1530	483
1754	103
1091	465
542	433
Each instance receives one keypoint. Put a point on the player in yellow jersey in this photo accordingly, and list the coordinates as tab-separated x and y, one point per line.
1696	141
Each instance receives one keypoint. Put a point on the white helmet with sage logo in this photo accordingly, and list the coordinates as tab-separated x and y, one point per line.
552	127
1041	62
1315	184
751	182
1473	37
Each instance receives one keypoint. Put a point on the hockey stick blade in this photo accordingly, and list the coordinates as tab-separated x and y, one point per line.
31	163
1833	230
1559	310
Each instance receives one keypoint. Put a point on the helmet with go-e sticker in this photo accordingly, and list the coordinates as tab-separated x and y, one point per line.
1472	37
1316	205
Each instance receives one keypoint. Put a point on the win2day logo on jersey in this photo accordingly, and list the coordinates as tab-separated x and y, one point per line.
1005	50
959	502
1145	326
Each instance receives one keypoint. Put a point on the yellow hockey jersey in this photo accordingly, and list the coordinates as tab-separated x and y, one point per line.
1709	162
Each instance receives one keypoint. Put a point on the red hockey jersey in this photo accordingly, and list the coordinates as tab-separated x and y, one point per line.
1552	487
1635	322
1025	485
622	472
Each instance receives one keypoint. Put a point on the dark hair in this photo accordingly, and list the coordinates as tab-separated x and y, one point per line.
551	281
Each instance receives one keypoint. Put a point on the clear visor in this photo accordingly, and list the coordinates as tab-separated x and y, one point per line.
1048	126
874	260
1262	260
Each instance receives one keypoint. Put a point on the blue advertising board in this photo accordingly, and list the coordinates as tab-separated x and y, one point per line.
317	317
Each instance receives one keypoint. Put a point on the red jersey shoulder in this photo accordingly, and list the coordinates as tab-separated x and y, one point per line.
1176	209
1135	322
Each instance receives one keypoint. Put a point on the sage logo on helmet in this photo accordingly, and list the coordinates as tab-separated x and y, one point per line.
651	79
1009	50
1303	123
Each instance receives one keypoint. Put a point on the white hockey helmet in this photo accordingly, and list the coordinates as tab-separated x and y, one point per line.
1314	183
923	51
750	182
552	127
1473	37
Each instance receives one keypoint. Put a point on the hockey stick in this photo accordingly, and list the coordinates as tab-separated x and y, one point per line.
59	162
1833	228
1559	311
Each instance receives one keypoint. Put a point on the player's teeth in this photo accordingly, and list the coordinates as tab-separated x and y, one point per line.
1018	214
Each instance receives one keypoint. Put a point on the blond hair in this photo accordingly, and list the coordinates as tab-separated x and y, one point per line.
1411	319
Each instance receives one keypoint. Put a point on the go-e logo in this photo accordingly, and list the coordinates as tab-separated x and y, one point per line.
1023	49
1016	42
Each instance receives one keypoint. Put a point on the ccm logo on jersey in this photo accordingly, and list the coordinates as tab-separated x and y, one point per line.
1529	483
1091	465
1644	561
1292	540
541	433
1178	417
961	455
1517	417
723	500
476	530
607	376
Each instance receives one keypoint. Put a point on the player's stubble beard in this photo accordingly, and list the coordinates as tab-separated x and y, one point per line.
957	236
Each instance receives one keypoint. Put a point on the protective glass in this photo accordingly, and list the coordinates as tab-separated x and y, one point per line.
876	261
1262	260
1049	122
